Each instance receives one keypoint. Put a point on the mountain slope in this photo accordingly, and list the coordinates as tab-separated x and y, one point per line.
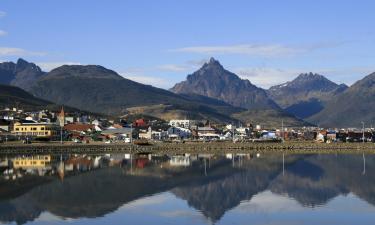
306	95
16	97
97	89
351	107
21	74
212	80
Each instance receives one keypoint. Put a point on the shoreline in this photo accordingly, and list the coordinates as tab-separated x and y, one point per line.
189	147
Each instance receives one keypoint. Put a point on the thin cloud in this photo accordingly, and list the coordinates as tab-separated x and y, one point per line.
174	68
9	51
185	67
273	50
48	66
266	77
148	80
2	14
3	33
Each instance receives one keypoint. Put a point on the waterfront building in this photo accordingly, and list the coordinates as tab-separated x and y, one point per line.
33	129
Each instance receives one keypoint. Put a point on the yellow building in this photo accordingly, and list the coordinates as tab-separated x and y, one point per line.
35	129
37	161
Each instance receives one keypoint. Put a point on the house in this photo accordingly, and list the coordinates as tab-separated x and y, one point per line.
321	136
120	134
331	136
146	134
206	130
79	128
34	129
269	135
181	123
178	133
140	123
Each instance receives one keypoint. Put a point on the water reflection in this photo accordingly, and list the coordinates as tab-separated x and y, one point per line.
92	186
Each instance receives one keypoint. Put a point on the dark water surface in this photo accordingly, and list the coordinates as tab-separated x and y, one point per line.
187	189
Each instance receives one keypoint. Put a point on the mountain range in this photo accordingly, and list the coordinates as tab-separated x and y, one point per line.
21	74
306	95
212	92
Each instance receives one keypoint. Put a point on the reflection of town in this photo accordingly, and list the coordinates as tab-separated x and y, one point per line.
75	186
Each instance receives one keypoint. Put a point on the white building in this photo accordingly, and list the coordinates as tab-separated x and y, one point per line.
181	123
179	132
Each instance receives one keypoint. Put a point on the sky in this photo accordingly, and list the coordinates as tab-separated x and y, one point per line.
160	42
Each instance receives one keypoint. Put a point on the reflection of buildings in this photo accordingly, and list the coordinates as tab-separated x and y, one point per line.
310	180
30	162
180	160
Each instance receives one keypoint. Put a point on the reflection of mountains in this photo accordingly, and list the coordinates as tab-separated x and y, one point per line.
311	180
339	174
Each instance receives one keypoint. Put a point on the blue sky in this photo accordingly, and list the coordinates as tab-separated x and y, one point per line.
160	42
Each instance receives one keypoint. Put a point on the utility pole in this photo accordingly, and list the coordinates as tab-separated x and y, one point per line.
363	132
131	133
61	135
232	133
282	130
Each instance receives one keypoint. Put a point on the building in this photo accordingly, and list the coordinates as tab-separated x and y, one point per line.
61	117
181	123
79	128
33	129
178	133
146	134
120	134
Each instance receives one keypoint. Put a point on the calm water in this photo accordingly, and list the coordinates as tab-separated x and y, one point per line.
187	189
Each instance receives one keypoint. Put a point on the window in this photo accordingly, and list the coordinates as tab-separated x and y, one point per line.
17	129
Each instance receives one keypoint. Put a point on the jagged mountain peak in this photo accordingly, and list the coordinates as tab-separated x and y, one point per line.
306	94
306	82
21	74
23	65
213	80
212	62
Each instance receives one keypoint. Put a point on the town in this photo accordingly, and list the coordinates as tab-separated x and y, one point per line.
44	126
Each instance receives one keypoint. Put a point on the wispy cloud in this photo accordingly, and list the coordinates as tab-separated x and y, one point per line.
188	66
266	77
3	33
9	51
271	50
260	50
48	66
149	80
2	14
174	68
